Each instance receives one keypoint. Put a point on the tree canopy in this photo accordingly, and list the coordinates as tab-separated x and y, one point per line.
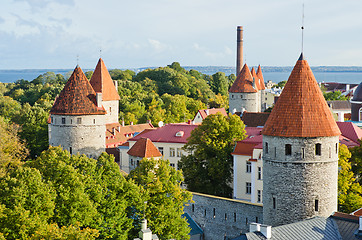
208	166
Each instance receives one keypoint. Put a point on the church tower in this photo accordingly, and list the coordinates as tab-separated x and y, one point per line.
102	83
243	94
300	153
77	118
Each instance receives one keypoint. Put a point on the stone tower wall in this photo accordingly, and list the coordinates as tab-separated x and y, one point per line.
249	101
112	109
84	136
294	184
355	106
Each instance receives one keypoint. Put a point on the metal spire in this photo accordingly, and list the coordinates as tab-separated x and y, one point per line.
302	28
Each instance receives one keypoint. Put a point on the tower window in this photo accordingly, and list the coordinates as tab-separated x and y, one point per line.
205	213
234	217
193	208
226	217
256	219
70	150
288	149
336	148
94	121
63	120
266	147
303	152
316	207
318	149
275	151
360	114
79	120
274	203
248	167
214	212
51	120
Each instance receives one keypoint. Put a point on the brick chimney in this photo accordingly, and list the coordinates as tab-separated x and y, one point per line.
239	49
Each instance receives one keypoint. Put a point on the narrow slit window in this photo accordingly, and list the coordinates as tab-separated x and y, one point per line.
214	213
288	149
303	152
193	208
274	203
266	147
318	149
316	203
234	217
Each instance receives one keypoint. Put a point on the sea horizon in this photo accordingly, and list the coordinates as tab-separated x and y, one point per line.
341	74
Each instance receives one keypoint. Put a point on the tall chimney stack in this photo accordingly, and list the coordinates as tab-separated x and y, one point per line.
239	50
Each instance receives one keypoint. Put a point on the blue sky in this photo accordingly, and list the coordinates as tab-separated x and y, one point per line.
141	33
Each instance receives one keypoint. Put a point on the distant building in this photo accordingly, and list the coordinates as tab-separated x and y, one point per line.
143	148
168	139
203	113
340	108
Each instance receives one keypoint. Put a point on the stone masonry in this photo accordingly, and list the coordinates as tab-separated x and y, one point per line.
302	183
222	217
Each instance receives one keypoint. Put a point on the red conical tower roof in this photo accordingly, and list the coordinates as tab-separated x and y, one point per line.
244	82
144	148
301	110
77	97
261	78
102	82
256	79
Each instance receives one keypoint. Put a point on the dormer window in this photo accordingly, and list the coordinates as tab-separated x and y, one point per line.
180	134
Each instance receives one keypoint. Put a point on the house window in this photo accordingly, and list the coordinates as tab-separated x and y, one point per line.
318	149
248	188
248	167
138	163
79	120
172	165
266	147
259	173
63	120
172	152
316	202
161	150
288	149
179	152
232	96
259	195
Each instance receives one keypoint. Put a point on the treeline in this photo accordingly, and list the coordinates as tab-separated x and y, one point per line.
169	94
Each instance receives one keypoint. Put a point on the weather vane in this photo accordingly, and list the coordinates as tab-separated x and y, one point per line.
100	52
302	28
77	59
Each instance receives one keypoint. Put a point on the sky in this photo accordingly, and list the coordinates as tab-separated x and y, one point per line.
48	34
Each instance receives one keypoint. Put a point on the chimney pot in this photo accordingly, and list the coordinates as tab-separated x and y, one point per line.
266	231
99	99
254	227
122	123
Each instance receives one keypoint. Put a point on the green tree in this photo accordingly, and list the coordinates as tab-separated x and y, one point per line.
220	83
72	232
160	187
349	190
280	84
336	95
208	167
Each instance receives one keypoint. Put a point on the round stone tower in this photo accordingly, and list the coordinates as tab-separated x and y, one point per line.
300	153
356	105
244	94
78	118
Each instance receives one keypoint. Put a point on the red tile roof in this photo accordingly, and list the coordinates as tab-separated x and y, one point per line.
116	134
350	134
77	97
206	112
102	82
253	131
244	148
261	78
244	82
254	119
144	148
301	110
167	133
358	212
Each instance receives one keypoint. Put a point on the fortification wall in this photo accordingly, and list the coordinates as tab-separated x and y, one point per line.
301	184
249	101
83	134
220	217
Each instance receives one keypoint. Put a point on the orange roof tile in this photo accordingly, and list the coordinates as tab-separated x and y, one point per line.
102	82
256	79
244	148
144	148
261	78
301	110
77	97
244	82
